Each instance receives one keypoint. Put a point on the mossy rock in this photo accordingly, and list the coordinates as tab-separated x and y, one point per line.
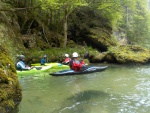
97	57
10	90
128	54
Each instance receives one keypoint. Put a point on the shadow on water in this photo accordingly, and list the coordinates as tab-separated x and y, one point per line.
87	95
79	102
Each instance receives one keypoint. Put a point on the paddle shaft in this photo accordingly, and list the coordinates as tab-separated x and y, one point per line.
37	68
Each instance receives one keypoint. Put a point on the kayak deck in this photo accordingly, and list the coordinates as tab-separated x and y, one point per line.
53	64
37	69
42	68
86	70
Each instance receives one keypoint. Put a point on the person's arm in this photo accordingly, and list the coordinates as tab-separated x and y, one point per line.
27	68
67	60
82	62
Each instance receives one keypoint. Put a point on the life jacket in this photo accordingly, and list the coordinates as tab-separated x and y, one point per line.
76	65
66	61
43	60
20	65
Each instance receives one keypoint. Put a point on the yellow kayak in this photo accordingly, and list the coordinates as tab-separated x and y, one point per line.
52	64
36	69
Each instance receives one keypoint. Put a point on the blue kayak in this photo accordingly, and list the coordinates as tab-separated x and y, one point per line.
86	70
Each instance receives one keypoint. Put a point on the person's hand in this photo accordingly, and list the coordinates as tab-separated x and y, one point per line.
32	67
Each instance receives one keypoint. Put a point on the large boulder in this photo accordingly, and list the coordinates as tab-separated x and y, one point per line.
128	54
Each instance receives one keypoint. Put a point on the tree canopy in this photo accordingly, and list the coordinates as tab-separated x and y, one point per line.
65	7
125	17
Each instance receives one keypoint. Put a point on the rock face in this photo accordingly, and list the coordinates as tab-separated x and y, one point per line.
10	90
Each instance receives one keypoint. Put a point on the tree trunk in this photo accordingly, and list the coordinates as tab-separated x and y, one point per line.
65	30
25	3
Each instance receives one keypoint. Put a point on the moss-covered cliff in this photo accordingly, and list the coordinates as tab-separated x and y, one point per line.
10	31
10	90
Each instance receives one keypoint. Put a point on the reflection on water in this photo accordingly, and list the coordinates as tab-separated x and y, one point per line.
119	89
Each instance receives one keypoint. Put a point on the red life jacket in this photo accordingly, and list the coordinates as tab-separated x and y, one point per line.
66	61
76	65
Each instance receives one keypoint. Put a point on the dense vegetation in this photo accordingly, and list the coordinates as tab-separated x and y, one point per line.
100	24
58	22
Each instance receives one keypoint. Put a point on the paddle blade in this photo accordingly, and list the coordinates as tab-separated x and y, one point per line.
38	68
86	55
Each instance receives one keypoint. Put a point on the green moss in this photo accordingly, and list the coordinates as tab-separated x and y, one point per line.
3	76
129	54
6	62
9	104
103	37
3	95
9	84
55	54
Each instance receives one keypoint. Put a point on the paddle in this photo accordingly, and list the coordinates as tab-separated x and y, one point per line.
86	55
37	68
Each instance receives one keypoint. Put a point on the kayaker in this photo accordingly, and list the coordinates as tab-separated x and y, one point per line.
21	65
43	60
67	59
75	64
86	55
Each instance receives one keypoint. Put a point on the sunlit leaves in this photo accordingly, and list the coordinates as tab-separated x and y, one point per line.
57	4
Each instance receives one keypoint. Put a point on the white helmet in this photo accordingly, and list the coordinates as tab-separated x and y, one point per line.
45	55
21	57
66	55
75	54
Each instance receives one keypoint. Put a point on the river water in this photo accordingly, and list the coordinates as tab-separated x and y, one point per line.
118	89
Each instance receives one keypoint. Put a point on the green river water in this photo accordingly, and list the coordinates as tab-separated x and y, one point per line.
118	89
